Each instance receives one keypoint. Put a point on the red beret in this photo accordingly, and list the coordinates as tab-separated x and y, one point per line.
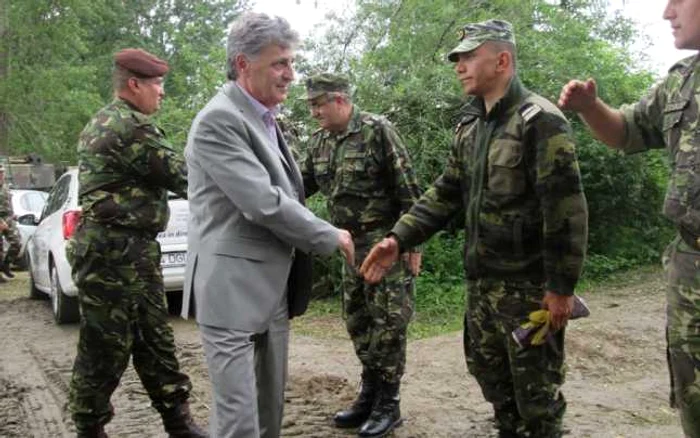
141	63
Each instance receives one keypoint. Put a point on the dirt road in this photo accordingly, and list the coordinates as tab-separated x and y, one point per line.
616	385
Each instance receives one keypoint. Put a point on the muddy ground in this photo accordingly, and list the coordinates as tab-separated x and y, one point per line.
617	384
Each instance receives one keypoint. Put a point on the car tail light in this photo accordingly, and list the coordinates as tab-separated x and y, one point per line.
70	222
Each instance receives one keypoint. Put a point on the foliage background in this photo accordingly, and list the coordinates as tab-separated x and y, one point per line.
55	61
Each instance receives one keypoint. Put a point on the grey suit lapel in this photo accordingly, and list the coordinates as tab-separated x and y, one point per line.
243	104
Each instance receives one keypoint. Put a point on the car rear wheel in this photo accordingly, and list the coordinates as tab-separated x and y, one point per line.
65	308
34	293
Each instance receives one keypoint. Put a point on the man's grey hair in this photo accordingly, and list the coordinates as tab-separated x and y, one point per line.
251	33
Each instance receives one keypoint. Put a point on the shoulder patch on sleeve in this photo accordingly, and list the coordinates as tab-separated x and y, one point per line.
529	111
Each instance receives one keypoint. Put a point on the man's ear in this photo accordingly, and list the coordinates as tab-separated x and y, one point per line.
240	62
132	84
505	60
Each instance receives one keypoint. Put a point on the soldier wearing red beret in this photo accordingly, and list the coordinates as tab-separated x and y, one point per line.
126	169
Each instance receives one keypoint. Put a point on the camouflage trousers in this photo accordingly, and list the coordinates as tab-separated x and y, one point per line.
682	266
11	234
123	315
378	317
523	384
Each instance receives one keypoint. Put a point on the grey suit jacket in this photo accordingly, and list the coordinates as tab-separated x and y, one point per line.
245	217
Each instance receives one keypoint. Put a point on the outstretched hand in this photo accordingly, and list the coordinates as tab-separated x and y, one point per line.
578	95
379	260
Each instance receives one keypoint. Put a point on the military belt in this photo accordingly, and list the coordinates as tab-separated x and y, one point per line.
690	239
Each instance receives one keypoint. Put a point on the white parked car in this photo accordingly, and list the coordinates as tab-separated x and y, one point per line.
49	271
26	206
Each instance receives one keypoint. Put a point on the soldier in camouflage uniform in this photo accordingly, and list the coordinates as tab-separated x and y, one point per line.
126	170
358	161
513	167
668	117
8	228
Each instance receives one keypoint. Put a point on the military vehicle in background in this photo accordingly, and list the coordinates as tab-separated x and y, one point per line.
30	172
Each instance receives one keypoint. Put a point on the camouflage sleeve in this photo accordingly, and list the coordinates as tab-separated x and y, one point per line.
306	165
437	205
643	121
152	157
403	178
5	204
564	210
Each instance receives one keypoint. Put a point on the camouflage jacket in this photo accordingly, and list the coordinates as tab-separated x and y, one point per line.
668	117
5	202
515	170
126	170
365	172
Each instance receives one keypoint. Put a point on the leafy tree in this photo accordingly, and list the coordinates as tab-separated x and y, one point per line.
60	58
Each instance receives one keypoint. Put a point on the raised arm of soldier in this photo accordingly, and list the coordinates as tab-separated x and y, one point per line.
428	215
606	123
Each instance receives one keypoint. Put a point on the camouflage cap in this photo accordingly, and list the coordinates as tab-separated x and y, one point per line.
473	35
323	83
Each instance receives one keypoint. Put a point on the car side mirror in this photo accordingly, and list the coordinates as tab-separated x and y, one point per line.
28	219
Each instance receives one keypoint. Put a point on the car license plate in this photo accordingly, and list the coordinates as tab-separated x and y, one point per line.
172	259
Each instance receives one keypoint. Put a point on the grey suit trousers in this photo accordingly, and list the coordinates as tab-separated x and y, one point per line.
248	372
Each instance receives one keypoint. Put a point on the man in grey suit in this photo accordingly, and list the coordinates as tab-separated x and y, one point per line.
249	232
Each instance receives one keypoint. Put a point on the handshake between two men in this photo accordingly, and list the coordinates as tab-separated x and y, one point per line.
380	258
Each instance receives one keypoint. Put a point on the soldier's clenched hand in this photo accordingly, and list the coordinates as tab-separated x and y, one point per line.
379	260
413	260
560	308
578	95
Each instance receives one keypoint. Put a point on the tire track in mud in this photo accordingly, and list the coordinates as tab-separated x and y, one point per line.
38	408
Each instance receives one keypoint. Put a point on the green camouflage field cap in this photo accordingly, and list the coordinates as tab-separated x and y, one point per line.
323	83
473	35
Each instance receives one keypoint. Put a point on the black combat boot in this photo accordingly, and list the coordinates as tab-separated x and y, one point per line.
385	415
359	412
179	423
97	431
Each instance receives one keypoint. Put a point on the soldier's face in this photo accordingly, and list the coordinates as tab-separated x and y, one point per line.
267	76
477	71
684	16
328	113
148	93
